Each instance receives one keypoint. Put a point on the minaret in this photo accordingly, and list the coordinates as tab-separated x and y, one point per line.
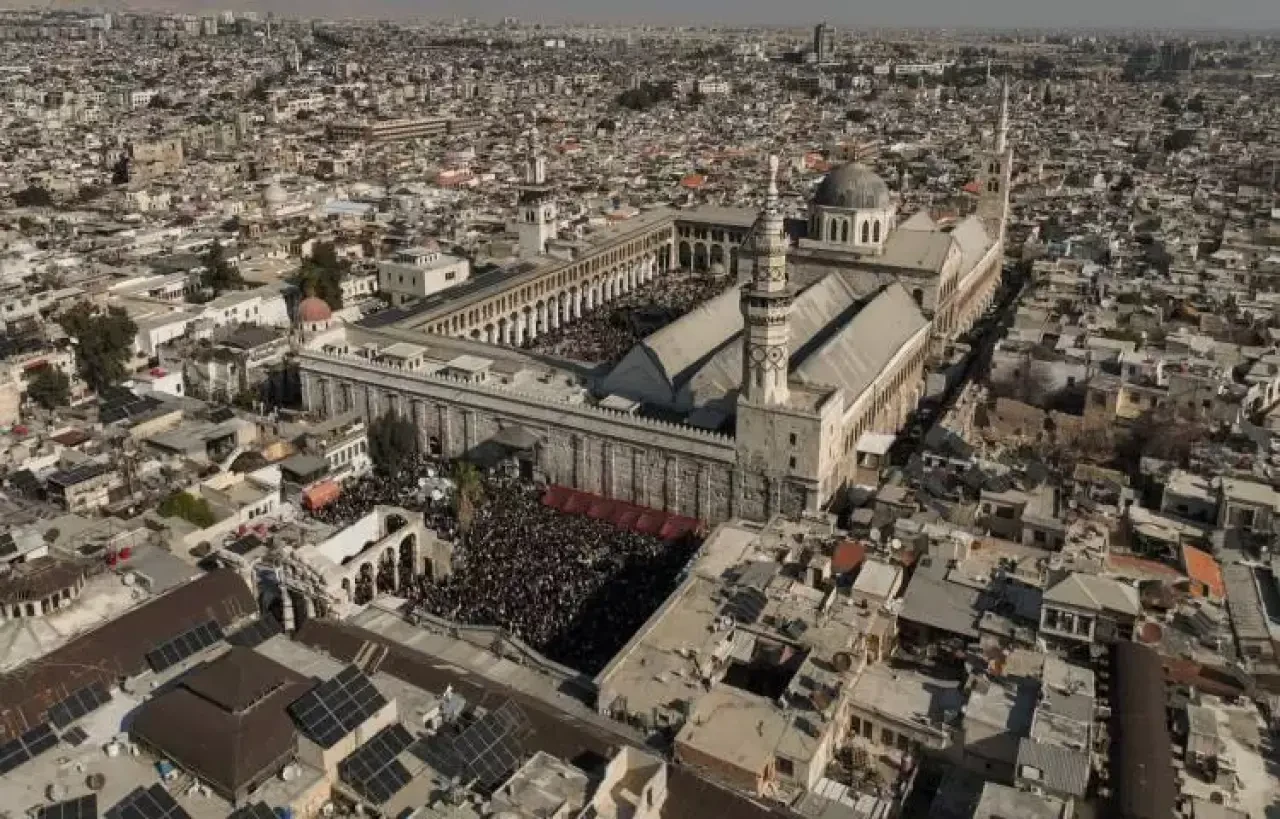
537	208
997	171
766	309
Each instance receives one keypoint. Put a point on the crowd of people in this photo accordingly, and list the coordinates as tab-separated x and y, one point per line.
420	486
573	588
607	333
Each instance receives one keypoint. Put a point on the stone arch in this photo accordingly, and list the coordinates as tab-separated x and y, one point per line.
831	230
393	523
734	253
364	585
844	231
490	333
700	256
717	255
346	588
475	335
408	562
386	577
875	232
866	231
918	295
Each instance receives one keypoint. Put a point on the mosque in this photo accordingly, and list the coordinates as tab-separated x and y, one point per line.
770	398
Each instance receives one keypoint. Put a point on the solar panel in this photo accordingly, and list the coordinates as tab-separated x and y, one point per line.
746	605
80	702
82	807
486	751
30	745
373	771
256	633
258	810
75	737
148	803
337	707
179	648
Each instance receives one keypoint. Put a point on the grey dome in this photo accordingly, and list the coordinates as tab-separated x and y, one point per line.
852	186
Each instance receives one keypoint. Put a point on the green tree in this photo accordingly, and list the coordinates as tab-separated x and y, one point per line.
219	275
104	343
190	508
393	442
322	275
49	387
468	493
33	197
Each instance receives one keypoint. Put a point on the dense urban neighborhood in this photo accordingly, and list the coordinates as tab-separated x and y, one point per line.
515	420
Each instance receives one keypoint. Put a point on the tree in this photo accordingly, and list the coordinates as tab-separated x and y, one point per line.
218	274
322	275
468	493
393	442
190	508
104	343
1170	103
49	387
33	197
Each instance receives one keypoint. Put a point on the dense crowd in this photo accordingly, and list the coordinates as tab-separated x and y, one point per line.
607	333
573	588
419	487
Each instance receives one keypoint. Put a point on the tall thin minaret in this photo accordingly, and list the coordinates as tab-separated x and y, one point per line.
536	203
997	173
766	309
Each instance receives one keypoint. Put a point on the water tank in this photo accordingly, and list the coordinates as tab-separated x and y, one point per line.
290	772
114	749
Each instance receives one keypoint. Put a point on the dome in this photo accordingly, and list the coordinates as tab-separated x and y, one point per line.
852	186
274	195
313	310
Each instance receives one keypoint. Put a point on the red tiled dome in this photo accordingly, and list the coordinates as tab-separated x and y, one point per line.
313	309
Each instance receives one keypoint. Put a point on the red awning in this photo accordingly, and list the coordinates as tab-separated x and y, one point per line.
625	516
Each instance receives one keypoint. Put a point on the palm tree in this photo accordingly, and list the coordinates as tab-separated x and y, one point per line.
468	492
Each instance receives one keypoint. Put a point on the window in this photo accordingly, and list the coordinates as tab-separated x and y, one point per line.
793	439
450	276
886	737
866	232
793	462
904	743
784	766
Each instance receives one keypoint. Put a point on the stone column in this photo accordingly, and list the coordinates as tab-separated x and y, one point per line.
639	479
671	486
520	328
735	492
419	409
553	313
489	333
330	403
470	433
576	304
508	333
609	470
579	462
447	447
704	492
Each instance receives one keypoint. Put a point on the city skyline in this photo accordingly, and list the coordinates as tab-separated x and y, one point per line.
1258	16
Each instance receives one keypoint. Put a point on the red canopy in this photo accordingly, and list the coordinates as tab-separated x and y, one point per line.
625	516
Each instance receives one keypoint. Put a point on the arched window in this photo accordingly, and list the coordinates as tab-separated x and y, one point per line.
876	232
831	230
866	232
844	230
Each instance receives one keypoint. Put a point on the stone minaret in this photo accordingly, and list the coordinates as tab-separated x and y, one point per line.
536	204
997	171
766	309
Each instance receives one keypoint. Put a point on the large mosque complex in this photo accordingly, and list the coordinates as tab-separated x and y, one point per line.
766	399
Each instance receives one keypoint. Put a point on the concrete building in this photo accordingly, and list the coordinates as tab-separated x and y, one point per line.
418	272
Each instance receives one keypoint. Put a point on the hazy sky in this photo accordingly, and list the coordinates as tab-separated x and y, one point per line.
1237	14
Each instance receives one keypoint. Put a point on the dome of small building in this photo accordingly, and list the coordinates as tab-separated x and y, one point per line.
852	186
314	310
274	195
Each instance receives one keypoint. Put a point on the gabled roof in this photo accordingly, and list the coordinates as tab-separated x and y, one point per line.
1087	591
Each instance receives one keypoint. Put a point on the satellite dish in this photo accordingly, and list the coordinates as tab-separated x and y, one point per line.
895	544
875	535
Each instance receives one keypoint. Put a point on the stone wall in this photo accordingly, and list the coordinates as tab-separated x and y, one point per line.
651	463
